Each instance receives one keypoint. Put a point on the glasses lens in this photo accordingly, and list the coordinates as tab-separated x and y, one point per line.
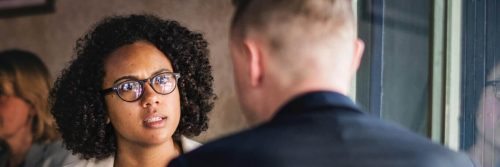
163	83
130	90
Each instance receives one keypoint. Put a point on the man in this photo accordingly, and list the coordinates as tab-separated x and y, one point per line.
293	62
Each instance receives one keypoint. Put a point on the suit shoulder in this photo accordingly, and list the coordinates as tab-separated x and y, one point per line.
232	150
445	158
241	140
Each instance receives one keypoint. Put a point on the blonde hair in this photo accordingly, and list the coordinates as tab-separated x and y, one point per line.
298	33
24	75
276	19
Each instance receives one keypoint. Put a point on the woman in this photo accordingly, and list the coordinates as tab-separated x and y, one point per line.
484	119
137	85
25	121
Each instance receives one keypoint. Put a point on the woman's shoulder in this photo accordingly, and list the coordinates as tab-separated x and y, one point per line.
107	162
48	154
56	155
189	144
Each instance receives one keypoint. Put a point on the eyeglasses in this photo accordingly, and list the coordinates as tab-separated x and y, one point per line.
132	90
496	87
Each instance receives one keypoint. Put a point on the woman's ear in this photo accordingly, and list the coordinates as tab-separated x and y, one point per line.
32	112
31	115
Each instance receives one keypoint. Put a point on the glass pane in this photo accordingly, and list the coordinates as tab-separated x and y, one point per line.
404	94
406	63
479	122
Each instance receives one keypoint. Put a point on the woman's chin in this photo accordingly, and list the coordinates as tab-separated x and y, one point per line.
156	139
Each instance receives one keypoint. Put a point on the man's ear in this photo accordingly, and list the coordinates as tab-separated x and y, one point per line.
359	48
254	57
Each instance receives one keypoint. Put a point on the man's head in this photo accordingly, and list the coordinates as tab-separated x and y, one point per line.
282	48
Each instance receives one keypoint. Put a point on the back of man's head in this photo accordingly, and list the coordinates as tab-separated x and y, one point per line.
282	48
305	37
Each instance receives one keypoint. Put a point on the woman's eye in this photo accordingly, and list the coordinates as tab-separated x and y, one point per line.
161	79
128	86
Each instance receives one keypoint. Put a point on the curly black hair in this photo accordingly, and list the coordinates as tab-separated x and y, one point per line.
79	107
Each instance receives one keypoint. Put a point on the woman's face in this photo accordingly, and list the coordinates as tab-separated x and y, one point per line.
14	114
153	118
488	114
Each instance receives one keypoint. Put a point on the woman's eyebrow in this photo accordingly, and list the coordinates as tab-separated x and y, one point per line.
161	70
131	77
127	77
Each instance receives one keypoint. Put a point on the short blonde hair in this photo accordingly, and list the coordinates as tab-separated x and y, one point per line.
276	19
24	75
297	33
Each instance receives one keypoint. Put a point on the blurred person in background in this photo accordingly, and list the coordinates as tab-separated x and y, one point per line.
485	148
26	124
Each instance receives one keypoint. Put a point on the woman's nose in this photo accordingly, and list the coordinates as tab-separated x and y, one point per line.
150	97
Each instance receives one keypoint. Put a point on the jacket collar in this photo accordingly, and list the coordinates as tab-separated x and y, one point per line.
307	101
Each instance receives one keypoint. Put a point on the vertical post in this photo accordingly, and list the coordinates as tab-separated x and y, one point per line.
453	73
352	91
377	44
437	73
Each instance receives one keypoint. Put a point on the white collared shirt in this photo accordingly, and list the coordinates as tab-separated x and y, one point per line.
186	144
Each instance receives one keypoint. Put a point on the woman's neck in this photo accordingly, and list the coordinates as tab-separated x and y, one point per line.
19	144
133	154
483	154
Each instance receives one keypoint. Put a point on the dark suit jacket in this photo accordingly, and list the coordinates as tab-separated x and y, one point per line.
323	129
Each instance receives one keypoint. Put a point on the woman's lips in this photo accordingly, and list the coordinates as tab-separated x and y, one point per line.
154	121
